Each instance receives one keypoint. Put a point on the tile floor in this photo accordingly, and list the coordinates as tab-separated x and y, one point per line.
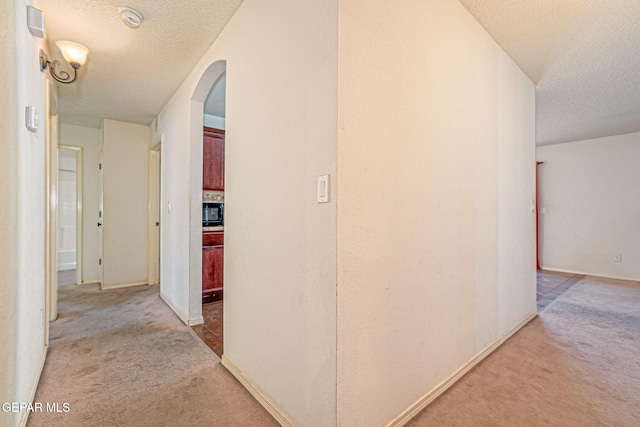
211	330
550	285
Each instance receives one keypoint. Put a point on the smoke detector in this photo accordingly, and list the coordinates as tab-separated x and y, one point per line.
131	17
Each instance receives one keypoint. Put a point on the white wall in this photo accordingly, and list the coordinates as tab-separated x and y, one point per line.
436	174
435	237
125	170
280	248
22	217
588	190
90	141
214	121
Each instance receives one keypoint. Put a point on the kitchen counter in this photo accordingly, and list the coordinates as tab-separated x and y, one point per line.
214	228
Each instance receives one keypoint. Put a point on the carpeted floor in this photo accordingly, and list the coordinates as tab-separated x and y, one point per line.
577	364
122	358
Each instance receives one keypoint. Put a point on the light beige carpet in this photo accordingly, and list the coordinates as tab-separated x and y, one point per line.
577	364
122	358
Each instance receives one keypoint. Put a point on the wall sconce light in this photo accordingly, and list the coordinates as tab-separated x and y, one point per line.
74	53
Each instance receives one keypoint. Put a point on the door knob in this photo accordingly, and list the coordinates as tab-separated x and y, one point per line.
157	223
99	224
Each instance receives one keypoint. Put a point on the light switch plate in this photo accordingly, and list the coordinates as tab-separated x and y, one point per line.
31	118
323	189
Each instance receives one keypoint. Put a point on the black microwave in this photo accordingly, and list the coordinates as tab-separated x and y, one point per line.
212	214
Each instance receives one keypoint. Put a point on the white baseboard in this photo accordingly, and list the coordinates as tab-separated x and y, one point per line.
24	416
123	285
425	400
196	321
179	313
558	270
66	266
185	319
262	398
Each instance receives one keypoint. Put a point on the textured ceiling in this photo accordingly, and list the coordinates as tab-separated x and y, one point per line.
131	73
583	55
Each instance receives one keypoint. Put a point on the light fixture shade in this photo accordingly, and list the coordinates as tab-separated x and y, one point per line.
74	53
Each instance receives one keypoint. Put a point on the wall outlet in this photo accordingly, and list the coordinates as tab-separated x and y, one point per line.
617	258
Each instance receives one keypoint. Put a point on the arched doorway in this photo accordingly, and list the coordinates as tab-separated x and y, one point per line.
206	243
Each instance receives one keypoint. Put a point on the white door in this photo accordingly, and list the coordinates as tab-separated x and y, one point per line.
154	215
99	221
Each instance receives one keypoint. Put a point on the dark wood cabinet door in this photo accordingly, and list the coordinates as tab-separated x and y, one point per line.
213	160
212	274
212	238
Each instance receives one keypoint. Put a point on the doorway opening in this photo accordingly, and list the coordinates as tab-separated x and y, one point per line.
549	284
208	143
155	196
69	215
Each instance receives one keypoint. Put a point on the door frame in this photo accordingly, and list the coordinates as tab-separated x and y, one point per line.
79	208
101	218
51	181
155	202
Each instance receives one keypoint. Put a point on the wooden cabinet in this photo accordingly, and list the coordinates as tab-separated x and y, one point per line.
213	159
212	266
212	242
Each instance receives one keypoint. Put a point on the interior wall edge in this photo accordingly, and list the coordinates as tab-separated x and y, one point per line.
183	317
24	416
263	398
413	410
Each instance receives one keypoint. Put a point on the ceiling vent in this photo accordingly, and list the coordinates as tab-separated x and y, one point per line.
131	17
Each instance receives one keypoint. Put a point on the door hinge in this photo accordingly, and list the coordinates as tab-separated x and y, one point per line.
100	261
100	166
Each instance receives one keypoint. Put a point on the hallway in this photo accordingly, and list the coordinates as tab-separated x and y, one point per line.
574	365
122	357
